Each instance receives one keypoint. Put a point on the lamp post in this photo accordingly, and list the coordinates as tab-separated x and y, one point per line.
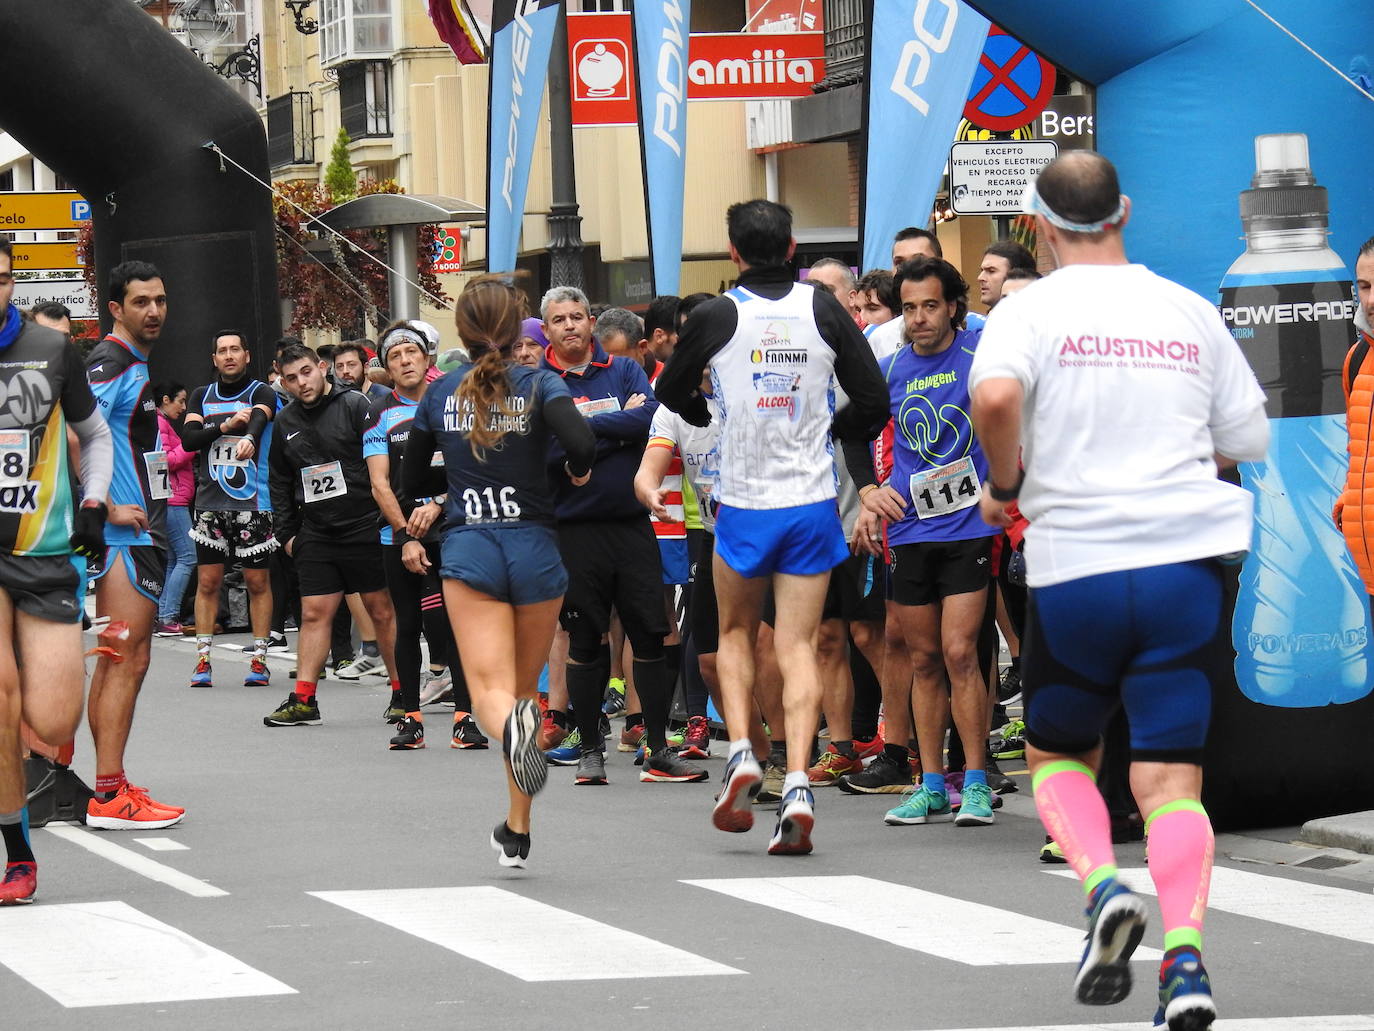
565	224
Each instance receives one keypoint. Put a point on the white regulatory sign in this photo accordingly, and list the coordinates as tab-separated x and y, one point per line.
989	177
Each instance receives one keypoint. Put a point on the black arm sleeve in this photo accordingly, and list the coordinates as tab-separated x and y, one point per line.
859	461
419	477
856	370
572	431
257	422
198	435
706	332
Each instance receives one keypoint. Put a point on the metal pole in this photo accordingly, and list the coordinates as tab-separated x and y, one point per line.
565	224
403	254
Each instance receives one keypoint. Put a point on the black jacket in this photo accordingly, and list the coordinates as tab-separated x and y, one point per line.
329	431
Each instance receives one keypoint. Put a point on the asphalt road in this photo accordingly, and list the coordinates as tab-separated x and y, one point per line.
321	880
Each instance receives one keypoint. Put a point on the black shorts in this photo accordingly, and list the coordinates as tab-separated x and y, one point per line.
45	586
221	536
857	591
704	615
613	564
144	564
324	567
927	571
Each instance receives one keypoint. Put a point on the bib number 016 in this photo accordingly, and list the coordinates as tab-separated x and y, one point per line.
490	505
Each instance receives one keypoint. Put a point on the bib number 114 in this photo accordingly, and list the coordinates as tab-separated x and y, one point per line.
489	505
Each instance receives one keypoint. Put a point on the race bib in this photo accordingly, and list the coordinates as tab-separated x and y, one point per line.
590	406
159	475
322	482
14	456
950	488
223	453
437	461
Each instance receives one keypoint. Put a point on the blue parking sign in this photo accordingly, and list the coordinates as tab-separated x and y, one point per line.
81	210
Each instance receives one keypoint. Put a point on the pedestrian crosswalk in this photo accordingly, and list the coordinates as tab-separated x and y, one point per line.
95	954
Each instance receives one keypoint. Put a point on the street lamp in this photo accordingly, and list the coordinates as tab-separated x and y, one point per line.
305	26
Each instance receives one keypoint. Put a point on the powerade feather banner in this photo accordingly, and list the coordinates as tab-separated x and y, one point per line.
661	35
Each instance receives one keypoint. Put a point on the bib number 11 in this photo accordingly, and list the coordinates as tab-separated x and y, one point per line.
489	505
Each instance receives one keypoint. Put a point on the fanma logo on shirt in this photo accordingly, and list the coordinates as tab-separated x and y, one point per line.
775	347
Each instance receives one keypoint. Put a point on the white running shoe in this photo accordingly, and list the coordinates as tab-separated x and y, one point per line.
363	664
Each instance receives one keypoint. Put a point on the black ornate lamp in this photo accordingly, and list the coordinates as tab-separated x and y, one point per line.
305	26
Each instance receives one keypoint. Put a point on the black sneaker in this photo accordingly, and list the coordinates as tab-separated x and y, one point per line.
467	735
511	849
591	767
880	777
1000	783
1009	686
410	733
395	711
294	713
665	767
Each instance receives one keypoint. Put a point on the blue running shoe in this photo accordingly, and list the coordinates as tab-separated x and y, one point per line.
1185	993
566	754
201	676
743	775
1116	923
975	809
257	675
920	807
796	818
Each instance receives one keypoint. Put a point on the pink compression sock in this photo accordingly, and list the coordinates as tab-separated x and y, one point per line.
1180	852
1074	815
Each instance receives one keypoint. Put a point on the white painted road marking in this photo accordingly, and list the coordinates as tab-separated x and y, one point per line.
522	937
110	954
965	932
1339	912
162	844
1353	1022
92	841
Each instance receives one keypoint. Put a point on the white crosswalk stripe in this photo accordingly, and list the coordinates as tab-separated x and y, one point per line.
524	938
1352	1022
109	953
1340	912
938	925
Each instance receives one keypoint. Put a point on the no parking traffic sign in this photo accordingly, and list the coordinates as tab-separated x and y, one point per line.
1012	85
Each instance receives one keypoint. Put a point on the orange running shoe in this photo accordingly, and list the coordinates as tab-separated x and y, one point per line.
830	767
131	809
868	749
153	802
19	886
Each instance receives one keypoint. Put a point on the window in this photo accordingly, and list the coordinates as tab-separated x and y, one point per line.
365	98
290	130
350	29
7	180
603	6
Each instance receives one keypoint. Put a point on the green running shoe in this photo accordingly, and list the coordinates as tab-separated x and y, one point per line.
977	808
922	806
294	713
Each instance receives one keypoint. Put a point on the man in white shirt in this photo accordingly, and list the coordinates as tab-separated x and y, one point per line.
1123	393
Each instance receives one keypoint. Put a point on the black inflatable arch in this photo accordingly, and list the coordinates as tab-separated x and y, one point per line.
101	93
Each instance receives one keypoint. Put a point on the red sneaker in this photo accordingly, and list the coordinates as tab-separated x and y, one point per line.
131	809
551	735
868	749
696	739
20	884
830	767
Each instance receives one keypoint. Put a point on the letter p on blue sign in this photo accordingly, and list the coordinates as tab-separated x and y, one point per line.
81	210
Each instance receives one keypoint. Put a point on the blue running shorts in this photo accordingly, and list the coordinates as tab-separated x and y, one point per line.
515	564
1150	639
677	561
800	541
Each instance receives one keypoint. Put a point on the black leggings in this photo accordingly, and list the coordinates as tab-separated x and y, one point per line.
419	604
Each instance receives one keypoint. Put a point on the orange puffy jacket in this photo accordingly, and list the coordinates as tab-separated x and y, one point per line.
1354	511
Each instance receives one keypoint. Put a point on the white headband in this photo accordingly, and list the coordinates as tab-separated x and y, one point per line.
1033	204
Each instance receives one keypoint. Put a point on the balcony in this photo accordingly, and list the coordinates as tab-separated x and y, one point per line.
365	99
290	130
844	44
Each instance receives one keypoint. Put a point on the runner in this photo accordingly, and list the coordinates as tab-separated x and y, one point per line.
503	579
40	610
775	348
412	565
1130	394
324	515
129	584
229	422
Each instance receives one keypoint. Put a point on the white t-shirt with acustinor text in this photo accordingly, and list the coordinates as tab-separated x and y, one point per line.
1132	383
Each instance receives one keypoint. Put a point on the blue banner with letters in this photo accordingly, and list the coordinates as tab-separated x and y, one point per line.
921	58
522	37
661	32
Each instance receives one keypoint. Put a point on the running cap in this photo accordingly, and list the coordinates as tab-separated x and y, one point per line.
1033	204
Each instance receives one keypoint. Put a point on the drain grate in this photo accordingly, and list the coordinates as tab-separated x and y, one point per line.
1324	863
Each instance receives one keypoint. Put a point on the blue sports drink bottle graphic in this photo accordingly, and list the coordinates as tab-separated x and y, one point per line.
1301	625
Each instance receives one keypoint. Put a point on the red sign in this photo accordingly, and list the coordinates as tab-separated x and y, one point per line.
1011	86
754	66
602	73
784	16
448	251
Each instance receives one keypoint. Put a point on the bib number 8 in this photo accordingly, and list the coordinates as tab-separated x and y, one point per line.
488	505
12	465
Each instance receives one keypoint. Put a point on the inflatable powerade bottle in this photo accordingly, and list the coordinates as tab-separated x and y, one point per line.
1301	626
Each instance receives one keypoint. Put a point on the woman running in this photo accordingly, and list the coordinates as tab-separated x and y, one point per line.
503	580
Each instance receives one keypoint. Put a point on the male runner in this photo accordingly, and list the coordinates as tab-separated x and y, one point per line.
129	584
324	515
1124	393
40	604
229	423
775	348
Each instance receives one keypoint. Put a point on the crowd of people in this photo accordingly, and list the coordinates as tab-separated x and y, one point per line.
789	506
